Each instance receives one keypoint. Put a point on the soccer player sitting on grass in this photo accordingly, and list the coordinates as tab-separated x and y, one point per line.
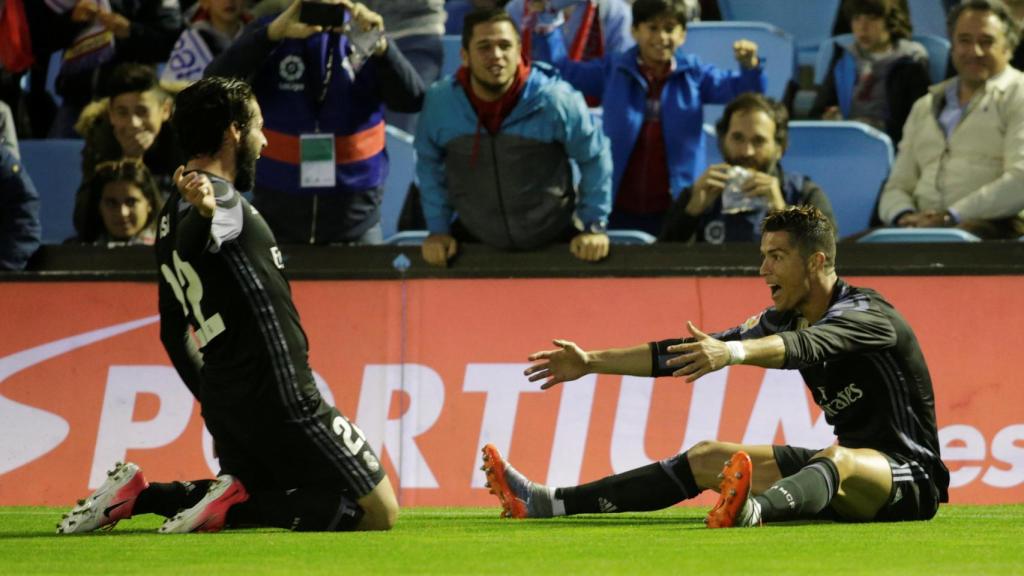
288	458
857	355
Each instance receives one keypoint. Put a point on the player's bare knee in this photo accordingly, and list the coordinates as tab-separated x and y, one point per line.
705	458
843	460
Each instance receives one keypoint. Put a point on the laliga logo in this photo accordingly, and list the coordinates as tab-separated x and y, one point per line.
29	432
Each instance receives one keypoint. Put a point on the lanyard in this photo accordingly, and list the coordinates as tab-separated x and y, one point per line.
332	41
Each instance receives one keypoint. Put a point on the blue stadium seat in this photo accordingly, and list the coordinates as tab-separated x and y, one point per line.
919	235
630	237
620	237
712	42
56	169
937	47
928	17
407	238
401	173
938	55
809	21
452	58
849	160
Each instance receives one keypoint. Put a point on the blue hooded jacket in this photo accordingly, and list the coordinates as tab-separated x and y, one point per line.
622	88
519	176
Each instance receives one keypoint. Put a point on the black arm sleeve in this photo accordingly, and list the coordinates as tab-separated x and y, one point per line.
401	87
245	56
660	355
177	341
193	234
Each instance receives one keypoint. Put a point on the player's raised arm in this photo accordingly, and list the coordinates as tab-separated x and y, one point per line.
704	354
568	362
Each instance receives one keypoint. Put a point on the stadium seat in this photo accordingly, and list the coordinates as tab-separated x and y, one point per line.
849	160
56	169
620	237
938	55
630	237
809	21
937	47
401	173
712	43
919	235
406	238
928	17
452	58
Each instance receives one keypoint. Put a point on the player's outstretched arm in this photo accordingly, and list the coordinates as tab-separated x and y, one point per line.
568	362
706	354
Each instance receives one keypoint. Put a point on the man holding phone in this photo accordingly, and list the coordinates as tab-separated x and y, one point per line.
322	72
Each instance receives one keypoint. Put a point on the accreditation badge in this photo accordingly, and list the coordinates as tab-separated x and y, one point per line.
316	157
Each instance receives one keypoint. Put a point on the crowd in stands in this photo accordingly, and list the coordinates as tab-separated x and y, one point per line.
566	119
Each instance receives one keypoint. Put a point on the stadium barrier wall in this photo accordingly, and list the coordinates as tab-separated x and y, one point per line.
431	369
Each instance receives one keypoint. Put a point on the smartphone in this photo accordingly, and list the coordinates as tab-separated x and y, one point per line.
321	14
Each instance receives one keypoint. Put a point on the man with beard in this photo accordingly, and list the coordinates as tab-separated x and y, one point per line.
494	145
752	135
858	356
288	458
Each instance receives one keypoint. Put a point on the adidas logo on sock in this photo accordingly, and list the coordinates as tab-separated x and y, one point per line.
606	506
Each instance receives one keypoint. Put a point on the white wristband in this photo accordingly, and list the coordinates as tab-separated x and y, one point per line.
737	353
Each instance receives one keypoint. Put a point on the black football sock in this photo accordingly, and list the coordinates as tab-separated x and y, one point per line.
302	510
167	498
801	495
650	487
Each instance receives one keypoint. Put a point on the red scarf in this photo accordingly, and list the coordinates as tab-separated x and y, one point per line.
490	115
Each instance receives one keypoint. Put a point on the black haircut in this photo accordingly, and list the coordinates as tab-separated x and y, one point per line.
481	16
204	110
897	21
1010	25
758	102
809	229
646	10
132	77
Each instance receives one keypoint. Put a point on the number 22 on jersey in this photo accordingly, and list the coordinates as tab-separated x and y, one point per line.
188	289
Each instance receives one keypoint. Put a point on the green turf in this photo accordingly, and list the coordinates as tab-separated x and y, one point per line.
960	540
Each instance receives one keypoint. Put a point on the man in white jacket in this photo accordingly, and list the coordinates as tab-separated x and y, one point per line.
961	161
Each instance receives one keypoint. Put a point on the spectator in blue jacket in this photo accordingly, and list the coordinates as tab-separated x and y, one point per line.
752	135
19	213
653	97
320	179
494	144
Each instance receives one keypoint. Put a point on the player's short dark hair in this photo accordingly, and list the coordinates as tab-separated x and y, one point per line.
1010	26
749	101
132	77
482	16
204	110
646	10
810	230
897	21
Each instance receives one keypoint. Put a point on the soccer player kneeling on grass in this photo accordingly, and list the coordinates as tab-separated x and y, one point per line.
856	353
288	458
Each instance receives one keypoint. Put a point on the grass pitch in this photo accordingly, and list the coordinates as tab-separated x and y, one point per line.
960	540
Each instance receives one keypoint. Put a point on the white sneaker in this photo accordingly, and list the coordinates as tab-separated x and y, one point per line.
211	512
111	502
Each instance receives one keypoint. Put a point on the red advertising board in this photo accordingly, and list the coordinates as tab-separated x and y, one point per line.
432	369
